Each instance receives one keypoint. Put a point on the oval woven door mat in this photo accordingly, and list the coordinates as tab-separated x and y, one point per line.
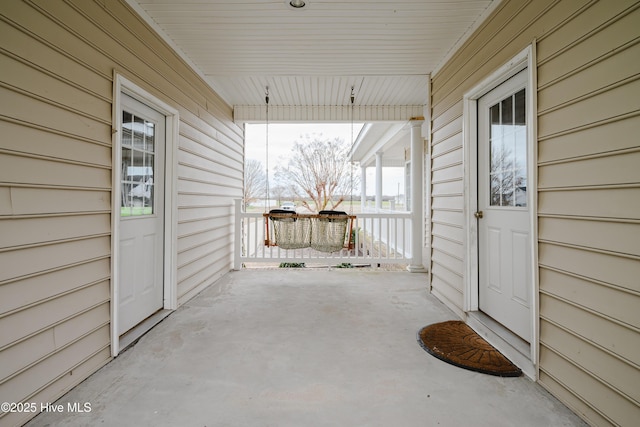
456	343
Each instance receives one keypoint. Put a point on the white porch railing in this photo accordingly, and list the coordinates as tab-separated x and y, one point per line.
378	238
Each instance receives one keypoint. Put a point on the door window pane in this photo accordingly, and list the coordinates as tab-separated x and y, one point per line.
138	162
508	155
519	109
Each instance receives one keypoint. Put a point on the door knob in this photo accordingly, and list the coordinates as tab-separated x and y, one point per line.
478	214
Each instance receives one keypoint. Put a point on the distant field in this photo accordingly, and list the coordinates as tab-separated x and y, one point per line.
137	210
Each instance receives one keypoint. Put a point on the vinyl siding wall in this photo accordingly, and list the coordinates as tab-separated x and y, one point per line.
57	60
588	112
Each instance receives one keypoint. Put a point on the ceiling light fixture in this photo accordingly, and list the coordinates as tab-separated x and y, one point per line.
297	3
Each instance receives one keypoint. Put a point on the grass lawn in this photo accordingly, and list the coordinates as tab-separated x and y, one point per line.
136	210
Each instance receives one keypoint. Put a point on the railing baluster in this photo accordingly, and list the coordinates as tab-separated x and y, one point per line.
404	238
253	236
246	223
388	233
395	237
259	247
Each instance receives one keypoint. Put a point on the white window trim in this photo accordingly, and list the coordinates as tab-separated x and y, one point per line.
172	121
523	60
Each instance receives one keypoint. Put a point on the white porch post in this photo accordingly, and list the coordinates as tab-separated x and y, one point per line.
417	155
363	188
378	180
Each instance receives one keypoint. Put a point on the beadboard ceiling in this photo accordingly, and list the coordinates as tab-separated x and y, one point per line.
313	56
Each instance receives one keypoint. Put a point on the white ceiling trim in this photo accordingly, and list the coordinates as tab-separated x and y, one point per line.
325	113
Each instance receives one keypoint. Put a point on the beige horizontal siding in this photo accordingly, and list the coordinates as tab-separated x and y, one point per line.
614	102
20	293
33	230
26	138
43	200
68	357
592	35
512	26
51	88
32	320
612	202
594	417
605	73
588	116
35	259
614	303
189	214
589	141
590	356
52	116
612	406
58	60
605	267
621	237
31	170
36	348
58	386
622	168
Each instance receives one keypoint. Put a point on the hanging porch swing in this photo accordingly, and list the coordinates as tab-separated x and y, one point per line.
326	231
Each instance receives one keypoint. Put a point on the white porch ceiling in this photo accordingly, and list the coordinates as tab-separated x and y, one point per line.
312	56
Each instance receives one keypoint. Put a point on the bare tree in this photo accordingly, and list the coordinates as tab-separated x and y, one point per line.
278	192
507	177
319	172
255	180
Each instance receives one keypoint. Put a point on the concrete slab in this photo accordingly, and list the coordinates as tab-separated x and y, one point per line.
302	348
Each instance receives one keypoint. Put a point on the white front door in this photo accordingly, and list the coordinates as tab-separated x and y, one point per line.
141	223
504	231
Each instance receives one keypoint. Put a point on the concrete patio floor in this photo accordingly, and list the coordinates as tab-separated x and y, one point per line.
302	348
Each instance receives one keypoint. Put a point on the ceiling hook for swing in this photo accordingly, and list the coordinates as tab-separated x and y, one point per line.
353	96
266	95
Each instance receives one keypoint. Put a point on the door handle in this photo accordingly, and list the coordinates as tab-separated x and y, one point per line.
478	214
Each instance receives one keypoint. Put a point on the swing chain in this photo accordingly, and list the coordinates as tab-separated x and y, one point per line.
266	100
351	154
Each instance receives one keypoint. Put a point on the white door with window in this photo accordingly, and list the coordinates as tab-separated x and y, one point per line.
504	230
141	222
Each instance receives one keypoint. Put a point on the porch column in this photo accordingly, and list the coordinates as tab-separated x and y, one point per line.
378	180
417	155
363	187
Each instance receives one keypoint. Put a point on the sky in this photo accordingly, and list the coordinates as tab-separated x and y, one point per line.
283	135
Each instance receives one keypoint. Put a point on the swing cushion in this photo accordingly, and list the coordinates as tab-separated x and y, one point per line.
328	212
281	211
328	233
333	213
290	216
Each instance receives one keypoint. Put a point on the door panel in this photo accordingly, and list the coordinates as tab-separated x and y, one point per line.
141	221
503	228
493	253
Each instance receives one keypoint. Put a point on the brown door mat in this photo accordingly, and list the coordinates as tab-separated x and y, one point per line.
456	343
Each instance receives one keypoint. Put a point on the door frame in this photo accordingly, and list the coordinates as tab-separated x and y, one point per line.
525	59
121	85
